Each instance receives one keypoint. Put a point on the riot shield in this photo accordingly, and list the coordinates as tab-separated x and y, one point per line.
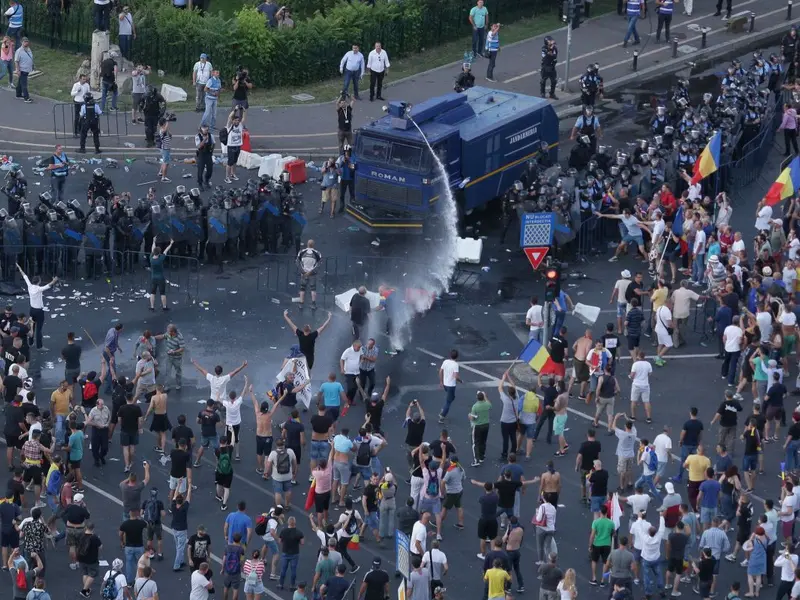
235	216
161	228
55	233
95	235
12	236
194	227
139	229
34	233
73	232
177	222
217	225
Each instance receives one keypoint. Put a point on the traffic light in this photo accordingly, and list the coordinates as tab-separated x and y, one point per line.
552	283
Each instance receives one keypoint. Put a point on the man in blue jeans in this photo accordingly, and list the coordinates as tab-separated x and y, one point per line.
131	537
689	440
291	540
477	18
213	86
352	67
635	11
448	377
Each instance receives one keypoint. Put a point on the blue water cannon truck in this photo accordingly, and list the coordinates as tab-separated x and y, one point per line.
483	137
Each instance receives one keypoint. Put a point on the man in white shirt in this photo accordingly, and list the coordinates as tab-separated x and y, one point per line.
218	382
638	502
534	319
79	89
664	331
448	377
738	245
763	216
436	561
200	584
127	32
35	291
698	254
640	386
233	416
663	446
419	535
732	341
681	309
651	558
618	293
352	67
349	363
378	65
102	14
787	561
233	145
201	73
118	571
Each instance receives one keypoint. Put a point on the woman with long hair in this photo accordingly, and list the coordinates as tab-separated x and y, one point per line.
731	484
253	571
566	587
757	564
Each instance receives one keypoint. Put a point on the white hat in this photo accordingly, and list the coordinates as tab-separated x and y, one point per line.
669	487
388	477
777	221
77	498
766	272
626	274
713	258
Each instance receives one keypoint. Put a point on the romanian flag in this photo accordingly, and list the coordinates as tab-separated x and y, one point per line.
536	356
708	161
312	494
787	184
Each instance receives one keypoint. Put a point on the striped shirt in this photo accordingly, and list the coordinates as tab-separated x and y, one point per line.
368	365
250	565
165	138
173	342
715	539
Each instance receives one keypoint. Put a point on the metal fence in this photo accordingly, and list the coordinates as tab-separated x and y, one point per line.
123	271
112	123
337	274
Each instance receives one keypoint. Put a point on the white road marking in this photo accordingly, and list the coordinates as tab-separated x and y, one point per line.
506	361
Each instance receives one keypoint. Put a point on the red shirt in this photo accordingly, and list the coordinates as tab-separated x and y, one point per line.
668	203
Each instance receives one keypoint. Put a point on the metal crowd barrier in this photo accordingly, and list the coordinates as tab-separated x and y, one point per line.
182	273
112	123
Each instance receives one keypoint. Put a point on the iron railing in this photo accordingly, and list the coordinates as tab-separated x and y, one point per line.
113	124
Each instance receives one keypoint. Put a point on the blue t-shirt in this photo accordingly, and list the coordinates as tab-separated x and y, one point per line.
342	443
332	393
76	446
157	266
710	489
515	470
723	463
238	522
336	588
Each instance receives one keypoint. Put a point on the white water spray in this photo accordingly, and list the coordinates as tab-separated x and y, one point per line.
440	255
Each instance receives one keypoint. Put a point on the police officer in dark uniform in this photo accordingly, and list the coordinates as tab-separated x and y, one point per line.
589	125
789	46
591	85
549	61
660	121
511	200
204	142
96	236
90	121
465	79
153	105
15	188
33	222
99	187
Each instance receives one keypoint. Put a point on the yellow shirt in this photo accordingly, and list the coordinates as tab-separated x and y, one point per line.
697	466
497	579
658	297
61	401
797	280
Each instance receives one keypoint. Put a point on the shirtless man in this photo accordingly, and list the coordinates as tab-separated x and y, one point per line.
322	430
550	486
343	448
160	423
263	429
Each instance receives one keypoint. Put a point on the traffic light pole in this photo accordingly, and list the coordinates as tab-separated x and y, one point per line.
547	308
571	15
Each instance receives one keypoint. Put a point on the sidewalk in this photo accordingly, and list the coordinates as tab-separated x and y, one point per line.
310	129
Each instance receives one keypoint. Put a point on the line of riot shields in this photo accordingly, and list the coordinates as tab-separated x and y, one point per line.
115	233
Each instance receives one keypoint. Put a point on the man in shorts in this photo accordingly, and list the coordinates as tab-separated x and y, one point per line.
631	229
580	350
281	466
208	419
633	327
607	393
453	482
626	451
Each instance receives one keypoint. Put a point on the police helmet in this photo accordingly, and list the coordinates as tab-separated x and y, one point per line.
614	171
669	130
88	98
98	173
661	110
588	110
602	149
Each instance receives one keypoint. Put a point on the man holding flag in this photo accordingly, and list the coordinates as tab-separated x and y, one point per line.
708	161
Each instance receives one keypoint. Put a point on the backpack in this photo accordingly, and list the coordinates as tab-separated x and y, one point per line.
224	464
151	512
363	456
351	528
233	561
110	591
90	391
54	483
223	136
652	460
283	463
252	576
261	524
21	579
433	484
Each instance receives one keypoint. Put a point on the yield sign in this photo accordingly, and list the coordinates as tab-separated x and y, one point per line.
536	255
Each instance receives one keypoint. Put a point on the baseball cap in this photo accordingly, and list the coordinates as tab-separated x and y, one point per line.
376	562
374	397
204	55
77	498
669	487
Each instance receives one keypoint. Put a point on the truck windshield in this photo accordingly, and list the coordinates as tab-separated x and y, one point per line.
398	155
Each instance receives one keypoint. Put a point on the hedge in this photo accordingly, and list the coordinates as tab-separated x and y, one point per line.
172	40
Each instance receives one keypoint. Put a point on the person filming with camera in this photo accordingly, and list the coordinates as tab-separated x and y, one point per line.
241	85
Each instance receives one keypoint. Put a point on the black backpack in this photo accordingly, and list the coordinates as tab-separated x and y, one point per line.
363	456
223	136
283	463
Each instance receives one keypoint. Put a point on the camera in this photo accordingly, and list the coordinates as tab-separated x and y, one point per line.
241	73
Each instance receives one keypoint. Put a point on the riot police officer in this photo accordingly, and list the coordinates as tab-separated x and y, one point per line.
204	142
153	105
591	85
549	61
789	46
96	240
100	187
90	121
511	200
465	79
589	125
15	189
33	222
660	121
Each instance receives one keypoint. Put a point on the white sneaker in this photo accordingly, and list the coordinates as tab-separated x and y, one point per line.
635	582
675	594
228	180
481	556
613	259
234	177
743	563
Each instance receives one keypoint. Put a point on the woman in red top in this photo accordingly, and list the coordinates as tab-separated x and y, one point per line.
253	571
668	202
